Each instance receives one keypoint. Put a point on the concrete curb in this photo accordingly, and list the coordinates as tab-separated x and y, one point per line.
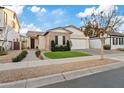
44	57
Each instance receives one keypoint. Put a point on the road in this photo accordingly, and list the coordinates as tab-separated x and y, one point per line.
108	79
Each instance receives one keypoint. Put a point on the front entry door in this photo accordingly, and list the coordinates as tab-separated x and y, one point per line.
32	43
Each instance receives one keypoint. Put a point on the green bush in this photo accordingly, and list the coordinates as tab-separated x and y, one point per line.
3	53
20	56
2	49
52	45
107	47
37	53
66	47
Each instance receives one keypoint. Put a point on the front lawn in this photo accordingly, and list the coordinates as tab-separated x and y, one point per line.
65	54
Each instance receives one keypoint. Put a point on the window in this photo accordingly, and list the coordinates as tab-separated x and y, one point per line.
120	41
63	40
116	41
56	40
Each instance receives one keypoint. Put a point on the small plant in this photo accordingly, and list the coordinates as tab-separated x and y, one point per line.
2	51
52	45
36	47
37	53
107	47
21	56
121	49
68	45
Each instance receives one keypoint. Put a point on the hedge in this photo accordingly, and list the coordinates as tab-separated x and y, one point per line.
21	56
55	47
37	53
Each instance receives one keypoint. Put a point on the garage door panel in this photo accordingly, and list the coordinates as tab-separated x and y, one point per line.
78	44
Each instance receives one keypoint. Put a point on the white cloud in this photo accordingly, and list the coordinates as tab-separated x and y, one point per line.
89	11
18	9
58	12
36	9
43	10
29	27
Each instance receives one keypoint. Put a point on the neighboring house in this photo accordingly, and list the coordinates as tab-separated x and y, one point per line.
60	35
114	39
9	29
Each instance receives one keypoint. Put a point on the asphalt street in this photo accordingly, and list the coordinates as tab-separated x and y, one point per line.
109	79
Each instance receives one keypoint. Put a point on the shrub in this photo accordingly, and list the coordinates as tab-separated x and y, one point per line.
21	56
107	47
36	47
52	45
3	53
37	53
66	47
2	49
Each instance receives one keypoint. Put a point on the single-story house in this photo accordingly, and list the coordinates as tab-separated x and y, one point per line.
114	39
60	35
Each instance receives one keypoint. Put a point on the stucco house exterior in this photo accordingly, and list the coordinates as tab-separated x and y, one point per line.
114	39
9	29
60	35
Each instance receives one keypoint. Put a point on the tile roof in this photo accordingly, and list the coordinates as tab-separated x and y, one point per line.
113	33
34	33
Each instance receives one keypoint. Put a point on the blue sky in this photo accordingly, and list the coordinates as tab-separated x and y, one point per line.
41	18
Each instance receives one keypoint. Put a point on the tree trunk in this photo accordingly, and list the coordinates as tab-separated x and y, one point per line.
102	48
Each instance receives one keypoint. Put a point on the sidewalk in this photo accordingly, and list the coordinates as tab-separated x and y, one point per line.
26	64
68	64
31	56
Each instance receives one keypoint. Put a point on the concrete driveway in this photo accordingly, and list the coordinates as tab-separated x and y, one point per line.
97	51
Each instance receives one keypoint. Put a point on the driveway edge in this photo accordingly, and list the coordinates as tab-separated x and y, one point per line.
56	78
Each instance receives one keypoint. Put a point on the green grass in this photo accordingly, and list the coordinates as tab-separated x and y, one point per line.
65	54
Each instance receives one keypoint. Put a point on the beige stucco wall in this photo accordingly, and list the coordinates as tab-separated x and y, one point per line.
28	42
9	19
51	36
41	44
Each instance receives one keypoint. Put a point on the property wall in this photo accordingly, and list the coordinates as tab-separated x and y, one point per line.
96	43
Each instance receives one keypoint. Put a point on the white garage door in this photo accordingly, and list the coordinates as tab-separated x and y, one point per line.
78	44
